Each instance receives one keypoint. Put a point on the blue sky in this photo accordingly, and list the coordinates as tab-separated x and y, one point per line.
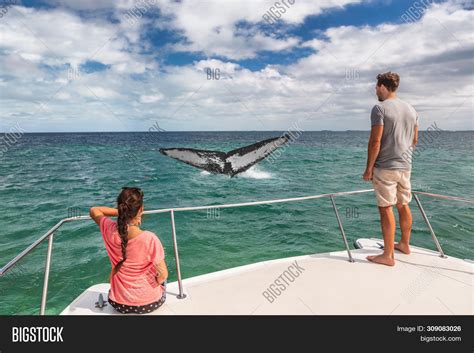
68	65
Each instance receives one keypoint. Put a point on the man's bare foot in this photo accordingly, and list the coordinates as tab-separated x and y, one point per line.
382	259
404	248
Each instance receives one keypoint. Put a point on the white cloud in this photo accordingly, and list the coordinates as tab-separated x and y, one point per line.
151	98
433	57
83	4
92	91
58	37
330	89
63	96
211	27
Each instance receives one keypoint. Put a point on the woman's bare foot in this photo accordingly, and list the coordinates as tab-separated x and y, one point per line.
404	248
382	259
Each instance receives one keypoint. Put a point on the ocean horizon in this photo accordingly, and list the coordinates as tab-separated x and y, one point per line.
191	131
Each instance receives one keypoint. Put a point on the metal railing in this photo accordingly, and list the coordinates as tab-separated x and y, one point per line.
50	234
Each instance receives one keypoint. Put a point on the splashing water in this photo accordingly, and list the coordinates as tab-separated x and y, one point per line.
253	173
256	173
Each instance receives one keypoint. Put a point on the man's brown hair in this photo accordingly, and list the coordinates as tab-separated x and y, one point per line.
390	80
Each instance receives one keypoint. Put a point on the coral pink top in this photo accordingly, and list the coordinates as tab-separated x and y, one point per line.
135	283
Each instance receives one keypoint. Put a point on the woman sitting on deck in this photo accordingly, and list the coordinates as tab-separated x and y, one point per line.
139	272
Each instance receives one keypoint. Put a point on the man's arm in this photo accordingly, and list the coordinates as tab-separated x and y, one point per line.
415	136
98	212
373	150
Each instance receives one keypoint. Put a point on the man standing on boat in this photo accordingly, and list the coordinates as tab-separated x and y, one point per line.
394	132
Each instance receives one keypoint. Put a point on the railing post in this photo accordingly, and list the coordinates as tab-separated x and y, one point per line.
435	239
181	294
46	274
341	228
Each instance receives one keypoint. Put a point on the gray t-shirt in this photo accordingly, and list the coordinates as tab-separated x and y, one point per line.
399	120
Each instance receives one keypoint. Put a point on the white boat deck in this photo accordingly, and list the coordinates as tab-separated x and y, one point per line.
420	283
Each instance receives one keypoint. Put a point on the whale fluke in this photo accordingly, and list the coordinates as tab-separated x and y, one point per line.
230	163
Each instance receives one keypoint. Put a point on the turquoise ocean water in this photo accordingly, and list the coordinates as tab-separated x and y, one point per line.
46	177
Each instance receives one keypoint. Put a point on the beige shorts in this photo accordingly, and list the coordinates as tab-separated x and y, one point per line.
392	186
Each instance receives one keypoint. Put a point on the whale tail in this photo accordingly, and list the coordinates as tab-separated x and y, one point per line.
231	163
